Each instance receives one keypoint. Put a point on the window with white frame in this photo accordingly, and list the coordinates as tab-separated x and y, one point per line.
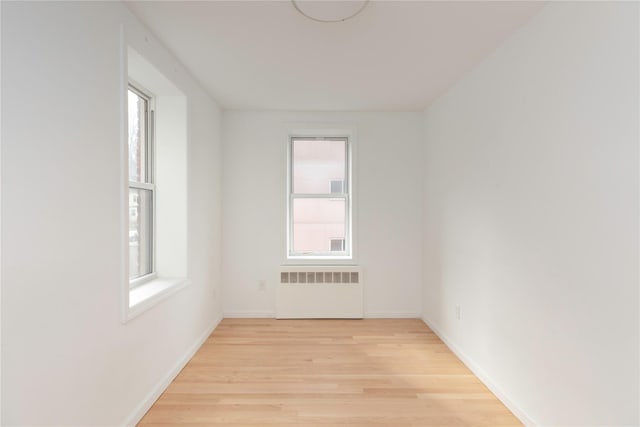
319	203
141	185
154	217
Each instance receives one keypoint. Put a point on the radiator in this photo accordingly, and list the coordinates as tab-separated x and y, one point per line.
312	292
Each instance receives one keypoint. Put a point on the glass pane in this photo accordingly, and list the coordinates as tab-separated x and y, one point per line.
137	137
316	223
140	232
337	245
319	166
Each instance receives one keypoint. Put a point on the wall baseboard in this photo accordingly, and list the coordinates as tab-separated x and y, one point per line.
483	376
391	315
155	393
271	315
249	314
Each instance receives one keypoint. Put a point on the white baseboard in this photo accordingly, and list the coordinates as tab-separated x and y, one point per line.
483	376
392	315
155	393
271	315
249	314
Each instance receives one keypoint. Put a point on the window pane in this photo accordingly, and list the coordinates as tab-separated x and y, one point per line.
140	232
137	137
317	164
316	223
337	245
337	187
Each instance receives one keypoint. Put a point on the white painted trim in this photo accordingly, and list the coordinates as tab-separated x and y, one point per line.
249	314
1	263
148	295
124	181
392	315
154	394
319	261
271	315
141	294
483	376
314	129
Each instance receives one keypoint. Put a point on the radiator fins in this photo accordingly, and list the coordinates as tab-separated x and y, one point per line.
319	277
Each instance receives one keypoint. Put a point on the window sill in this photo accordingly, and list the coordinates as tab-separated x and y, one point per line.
149	294
319	260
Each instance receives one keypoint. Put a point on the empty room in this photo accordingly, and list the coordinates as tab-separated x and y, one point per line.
320	213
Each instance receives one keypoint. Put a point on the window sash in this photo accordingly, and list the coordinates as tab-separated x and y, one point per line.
345	196
148	184
149	132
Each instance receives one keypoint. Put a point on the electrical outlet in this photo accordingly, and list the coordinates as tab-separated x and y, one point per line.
262	285
458	312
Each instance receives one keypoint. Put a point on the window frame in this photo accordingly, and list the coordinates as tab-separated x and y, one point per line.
346	195
149	179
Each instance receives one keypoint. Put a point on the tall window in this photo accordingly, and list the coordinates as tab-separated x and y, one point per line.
141	186
319	198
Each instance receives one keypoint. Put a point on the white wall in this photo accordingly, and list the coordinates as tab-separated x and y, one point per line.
388	157
531	216
66	357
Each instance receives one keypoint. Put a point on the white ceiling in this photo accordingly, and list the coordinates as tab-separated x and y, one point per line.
394	56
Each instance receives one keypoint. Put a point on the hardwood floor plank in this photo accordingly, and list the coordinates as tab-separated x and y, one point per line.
372	372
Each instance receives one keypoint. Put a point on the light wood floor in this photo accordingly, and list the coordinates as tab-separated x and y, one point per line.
373	372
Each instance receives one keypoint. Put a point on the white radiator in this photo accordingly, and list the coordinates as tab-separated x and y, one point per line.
313	292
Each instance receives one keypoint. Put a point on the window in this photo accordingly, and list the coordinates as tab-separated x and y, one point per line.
154	217
319	212
141	187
